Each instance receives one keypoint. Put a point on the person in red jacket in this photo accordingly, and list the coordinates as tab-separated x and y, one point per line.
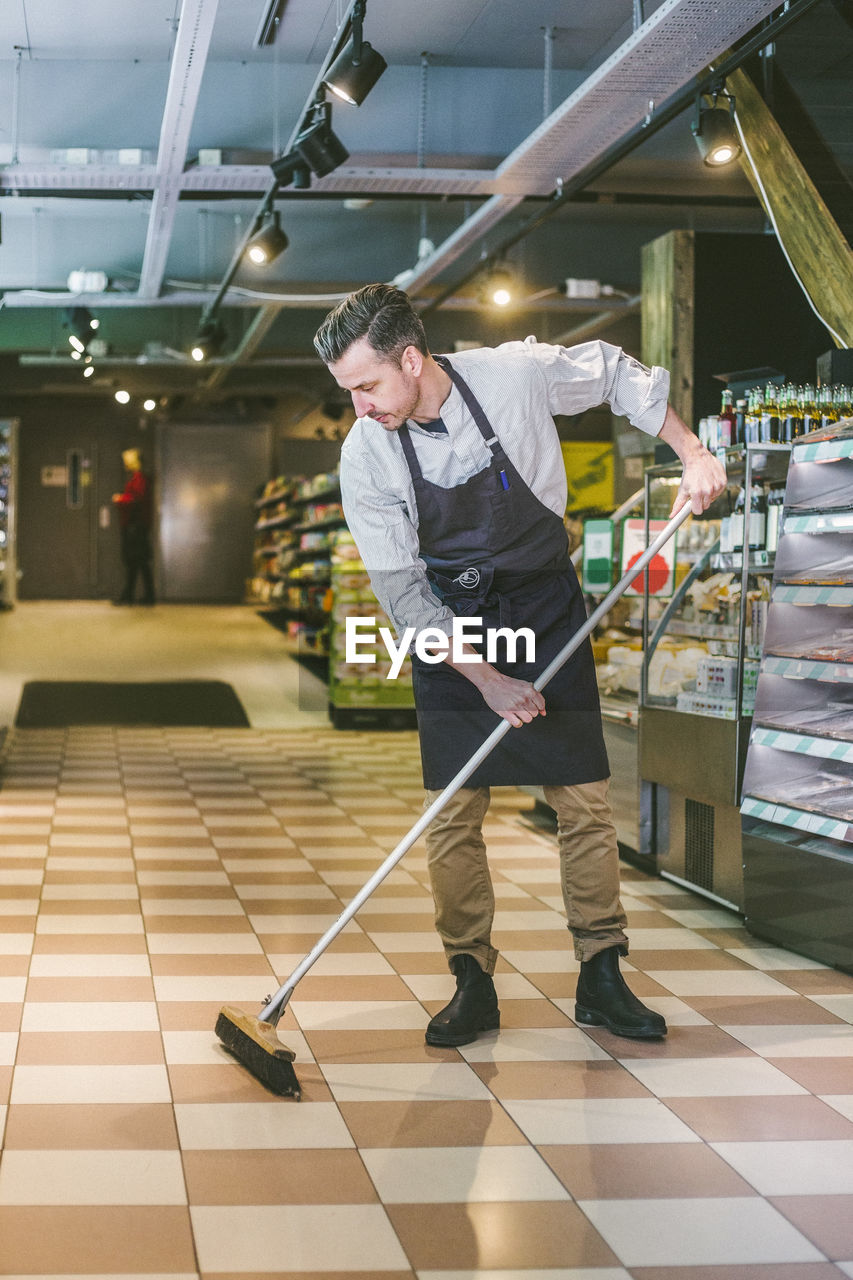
135	511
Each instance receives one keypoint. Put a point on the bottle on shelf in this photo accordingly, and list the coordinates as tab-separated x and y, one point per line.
757	518
811	417
843	402
775	501
726	428
740	422
769	429
752	419
790	418
826	408
737	522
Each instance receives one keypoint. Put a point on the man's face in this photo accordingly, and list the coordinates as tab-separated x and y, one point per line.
381	389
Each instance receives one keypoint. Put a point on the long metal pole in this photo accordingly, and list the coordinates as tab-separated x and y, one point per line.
276	1005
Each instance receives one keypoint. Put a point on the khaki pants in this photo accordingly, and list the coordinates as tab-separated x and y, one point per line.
589	871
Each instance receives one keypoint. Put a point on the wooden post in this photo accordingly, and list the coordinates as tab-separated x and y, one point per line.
667	314
821	255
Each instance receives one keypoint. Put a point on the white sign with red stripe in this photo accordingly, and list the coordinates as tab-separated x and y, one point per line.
661	569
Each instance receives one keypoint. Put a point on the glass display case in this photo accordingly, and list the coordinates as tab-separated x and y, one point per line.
699	665
8	484
797	809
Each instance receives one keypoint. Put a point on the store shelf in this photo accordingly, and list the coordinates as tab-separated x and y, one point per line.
838	596
808	669
828	522
799	819
277	522
824	450
804	744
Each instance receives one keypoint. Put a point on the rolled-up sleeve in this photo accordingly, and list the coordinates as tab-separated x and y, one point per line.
594	373
388	545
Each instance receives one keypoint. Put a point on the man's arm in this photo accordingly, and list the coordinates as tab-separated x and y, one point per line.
703	478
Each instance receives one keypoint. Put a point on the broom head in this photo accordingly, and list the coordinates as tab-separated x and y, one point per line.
257	1046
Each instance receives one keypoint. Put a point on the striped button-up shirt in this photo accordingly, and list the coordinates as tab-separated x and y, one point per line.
520	386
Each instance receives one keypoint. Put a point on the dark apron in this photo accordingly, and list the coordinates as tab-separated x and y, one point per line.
495	552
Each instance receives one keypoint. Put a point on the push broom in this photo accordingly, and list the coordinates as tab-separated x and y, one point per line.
252	1038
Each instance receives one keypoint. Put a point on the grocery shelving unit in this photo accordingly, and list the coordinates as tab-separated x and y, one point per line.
307	578
797	806
693	742
291	572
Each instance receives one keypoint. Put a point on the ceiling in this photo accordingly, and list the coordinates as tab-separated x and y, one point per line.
135	140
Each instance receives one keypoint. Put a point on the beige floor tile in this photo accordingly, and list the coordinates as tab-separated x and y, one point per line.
62	1177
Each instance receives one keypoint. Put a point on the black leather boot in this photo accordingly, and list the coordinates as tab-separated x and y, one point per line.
603	1000
473	1009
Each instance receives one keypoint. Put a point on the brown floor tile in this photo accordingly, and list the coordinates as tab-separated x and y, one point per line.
681	1042
96	1239
99	1126
625	1172
559	1080
818	1075
405	922
825	1220
277	1177
379	987
416	962
376	1046
756	1119
816	982
232	1082
558	986
196	924
285	905
10	1018
102	944
643	984
201	1015
499	1236
89	1048
18	924
299	944
430	1124
14	966
5	1083
55	875
785	1011
219	965
680	958
58	908
51	990
151	894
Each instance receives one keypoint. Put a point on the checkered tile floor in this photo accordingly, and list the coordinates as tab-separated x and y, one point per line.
147	877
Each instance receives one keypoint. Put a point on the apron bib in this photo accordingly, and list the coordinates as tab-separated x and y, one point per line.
494	551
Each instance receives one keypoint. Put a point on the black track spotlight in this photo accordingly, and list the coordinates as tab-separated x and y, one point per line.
715	132
358	66
354	72
291	170
268	243
208	341
319	148
81	325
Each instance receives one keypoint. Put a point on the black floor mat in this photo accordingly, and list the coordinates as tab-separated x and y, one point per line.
57	704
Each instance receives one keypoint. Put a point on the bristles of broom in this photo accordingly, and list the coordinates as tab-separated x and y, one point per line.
257	1046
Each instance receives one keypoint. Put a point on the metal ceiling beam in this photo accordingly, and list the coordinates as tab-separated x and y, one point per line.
188	60
242	354
670	49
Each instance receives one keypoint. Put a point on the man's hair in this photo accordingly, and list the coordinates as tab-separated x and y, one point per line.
378	312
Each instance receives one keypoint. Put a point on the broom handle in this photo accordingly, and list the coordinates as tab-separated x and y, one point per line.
277	1003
